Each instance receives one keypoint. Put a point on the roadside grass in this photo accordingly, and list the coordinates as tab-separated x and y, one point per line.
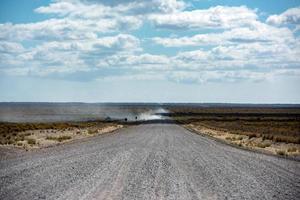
39	135
287	139
19	143
287	132
263	144
283	128
31	141
281	152
92	131
292	149
59	138
252	127
239	138
234	138
12	133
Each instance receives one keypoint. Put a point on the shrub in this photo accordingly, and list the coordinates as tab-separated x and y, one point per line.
281	152
264	144
292	149
20	138
287	139
91	131
239	138
59	138
252	135
50	138
228	138
31	141
268	137
64	137
10	142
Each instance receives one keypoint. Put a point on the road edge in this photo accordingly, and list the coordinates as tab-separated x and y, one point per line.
240	147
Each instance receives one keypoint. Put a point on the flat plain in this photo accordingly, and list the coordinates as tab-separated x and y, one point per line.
148	161
272	129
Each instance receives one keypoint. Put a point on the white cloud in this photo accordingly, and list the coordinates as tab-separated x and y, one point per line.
218	17
240	56
145	6
137	62
223	76
11	47
135	76
56	29
64	56
255	47
99	8
290	16
117	43
189	56
73	20
96	36
259	32
61	8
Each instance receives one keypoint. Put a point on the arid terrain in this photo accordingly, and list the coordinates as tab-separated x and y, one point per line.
38	135
148	161
158	152
269	129
38	125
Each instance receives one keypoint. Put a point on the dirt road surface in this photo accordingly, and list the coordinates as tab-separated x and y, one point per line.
150	161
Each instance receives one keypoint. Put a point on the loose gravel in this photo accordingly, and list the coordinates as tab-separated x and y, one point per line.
150	161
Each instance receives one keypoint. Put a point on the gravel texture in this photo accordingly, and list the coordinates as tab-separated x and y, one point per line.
152	161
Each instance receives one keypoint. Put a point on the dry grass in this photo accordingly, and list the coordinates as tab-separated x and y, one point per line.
92	131
276	130
31	141
276	124
32	135
59	138
11	133
281	152
263	144
239	137
292	149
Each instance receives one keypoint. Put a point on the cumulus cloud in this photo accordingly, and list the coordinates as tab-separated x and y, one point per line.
57	29
145	7
98	37
61	8
97	8
255	56
116	43
138	62
220	17
65	56
259	32
290	16
217	76
11	47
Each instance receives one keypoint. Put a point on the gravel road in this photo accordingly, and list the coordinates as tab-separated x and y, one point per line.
150	161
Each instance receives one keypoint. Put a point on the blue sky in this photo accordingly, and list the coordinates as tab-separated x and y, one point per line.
150	51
